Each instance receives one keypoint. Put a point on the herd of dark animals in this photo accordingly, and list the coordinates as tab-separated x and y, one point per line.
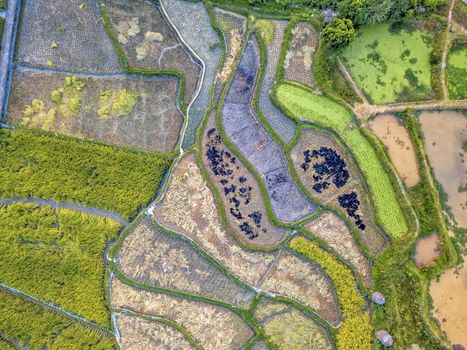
223	164
329	167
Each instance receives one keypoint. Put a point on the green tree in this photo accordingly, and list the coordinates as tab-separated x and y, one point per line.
339	31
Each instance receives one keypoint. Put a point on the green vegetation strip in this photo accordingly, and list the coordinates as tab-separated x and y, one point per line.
36	328
356	330
300	103
35	164
57	256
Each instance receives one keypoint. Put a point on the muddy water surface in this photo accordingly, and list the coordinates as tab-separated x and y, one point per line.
427	250
396	138
445	133
449	301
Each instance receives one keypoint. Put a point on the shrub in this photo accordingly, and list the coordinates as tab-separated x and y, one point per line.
339	31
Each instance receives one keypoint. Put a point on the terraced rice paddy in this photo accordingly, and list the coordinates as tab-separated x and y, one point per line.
330	175
239	190
148	43
301	103
63	35
282	125
211	326
194	25
390	66
121	110
149	256
256	145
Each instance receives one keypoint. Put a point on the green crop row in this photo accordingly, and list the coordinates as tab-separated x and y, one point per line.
300	103
56	255
356	330
36	328
35	164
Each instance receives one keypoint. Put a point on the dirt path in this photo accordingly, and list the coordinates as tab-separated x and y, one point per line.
352	82
445	53
55	308
64	205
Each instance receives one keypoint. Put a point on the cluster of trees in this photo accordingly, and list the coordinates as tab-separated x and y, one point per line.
350	14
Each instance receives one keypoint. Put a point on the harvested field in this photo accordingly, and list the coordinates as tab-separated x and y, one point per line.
149	43
252	140
445	134
122	110
396	138
330	175
298	64
268	307
292	330
239	190
155	258
333	230
63	35
212	327
188	207
391	66
304	281
194	25
282	125
137	333
233	28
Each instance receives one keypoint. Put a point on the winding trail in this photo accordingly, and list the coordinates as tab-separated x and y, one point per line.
66	205
52	307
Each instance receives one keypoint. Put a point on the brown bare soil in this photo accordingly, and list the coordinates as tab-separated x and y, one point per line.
137	333
212	327
449	296
188	207
396	138
153	123
149	43
334	231
313	139
65	34
444	134
298	64
244	204
152	257
427	250
305	282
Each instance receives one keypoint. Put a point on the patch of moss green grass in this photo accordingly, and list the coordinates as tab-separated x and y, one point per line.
36	164
3	4
36	328
391	66
301	103
57	256
2	27
457	71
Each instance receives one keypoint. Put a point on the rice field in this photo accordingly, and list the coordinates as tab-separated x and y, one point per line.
390	66
302	104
